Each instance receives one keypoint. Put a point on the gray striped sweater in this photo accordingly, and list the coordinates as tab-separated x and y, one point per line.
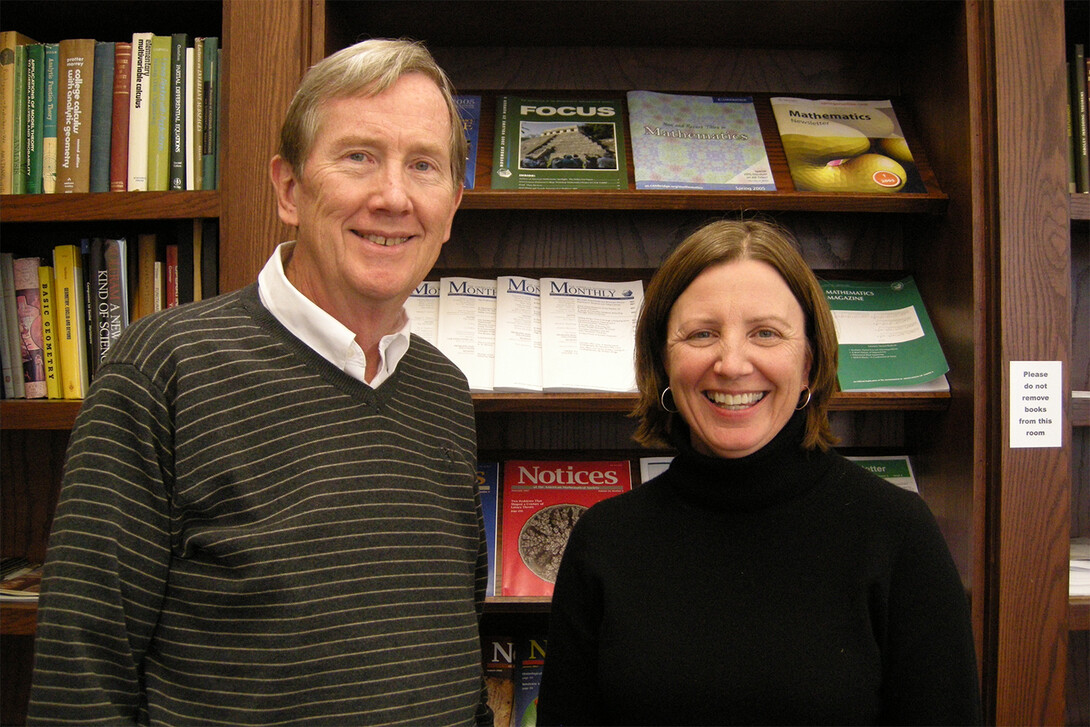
247	535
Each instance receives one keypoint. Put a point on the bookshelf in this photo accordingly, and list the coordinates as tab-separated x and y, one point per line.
982	244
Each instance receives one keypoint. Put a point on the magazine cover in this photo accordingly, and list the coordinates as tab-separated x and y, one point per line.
845	146
488	483
531	661
542	500
683	141
549	143
469	106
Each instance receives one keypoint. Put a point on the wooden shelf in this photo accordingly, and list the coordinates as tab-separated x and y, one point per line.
1078	614
1080	410
18	619
1080	206
109	206
61	414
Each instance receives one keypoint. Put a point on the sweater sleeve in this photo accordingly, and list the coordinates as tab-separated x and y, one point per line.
570	691
930	669
108	558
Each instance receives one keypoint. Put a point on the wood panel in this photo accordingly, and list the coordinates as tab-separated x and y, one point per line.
1034	325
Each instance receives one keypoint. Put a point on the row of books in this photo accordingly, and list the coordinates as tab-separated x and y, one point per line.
512	675
83	115
1078	121
692	142
61	315
520	334
530	507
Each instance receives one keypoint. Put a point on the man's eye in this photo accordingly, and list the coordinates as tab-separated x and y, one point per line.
423	166
358	156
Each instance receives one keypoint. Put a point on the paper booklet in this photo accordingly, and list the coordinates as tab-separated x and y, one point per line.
518	334
467	327
422	306
885	337
683	141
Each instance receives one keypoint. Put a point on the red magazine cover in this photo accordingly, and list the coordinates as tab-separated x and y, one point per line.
542	499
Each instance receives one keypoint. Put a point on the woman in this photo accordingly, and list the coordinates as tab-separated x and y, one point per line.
762	578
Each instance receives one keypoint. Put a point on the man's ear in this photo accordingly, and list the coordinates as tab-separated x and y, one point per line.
285	185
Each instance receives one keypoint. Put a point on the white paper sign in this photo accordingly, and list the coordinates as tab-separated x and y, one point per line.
1036	409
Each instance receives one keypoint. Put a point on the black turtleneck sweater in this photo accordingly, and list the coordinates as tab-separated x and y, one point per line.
786	587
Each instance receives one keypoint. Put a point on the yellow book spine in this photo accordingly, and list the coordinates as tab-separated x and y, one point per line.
49	332
71	327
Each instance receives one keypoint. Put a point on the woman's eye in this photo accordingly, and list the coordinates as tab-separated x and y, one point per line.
701	338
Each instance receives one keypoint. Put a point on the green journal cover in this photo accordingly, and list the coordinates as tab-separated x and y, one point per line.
886	340
559	143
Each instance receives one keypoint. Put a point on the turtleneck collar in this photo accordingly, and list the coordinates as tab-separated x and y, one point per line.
780	471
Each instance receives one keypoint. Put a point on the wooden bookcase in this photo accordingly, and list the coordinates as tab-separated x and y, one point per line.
977	84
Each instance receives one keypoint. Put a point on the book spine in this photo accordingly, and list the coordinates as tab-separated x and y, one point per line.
71	331
159	115
18	124
99	278
10	350
178	43
77	61
116	256
102	111
170	292
198	112
29	313
138	111
209	135
50	112
119	131
1079	116
146	257
49	332
35	107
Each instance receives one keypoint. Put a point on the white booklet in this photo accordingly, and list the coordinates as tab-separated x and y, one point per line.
518	334
422	306
588	332
467	327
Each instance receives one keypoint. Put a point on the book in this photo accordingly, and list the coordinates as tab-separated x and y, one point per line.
190	119
50	113
588	332
836	145
469	107
210	114
198	258
9	348
147	252
28	309
499	678
35	124
18	124
116	255
422	306
9	40
517	345
49	332
488	486
559	143
467	327
21	586
98	278
884	336
170	268
895	468
119	116
77	67
542	500
102	115
159	115
139	110
176	154
1079	118
685	141
71	320
197	144
530	653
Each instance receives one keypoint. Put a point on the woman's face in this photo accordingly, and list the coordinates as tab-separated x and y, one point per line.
736	356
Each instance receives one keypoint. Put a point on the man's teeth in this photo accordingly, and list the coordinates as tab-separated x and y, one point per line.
386	241
739	400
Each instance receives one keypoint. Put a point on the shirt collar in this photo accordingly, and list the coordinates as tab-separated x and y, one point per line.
331	339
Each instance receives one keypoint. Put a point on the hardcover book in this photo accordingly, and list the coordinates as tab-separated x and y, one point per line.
885	337
139	110
9	343
102	118
554	143
71	320
177	151
845	146
9	40
119	131
159	115
77	67
682	141
210	113
49	333
28	309
35	124
50	112
18	125
469	106
542	500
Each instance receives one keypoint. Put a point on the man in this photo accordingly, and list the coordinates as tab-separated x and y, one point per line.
268	512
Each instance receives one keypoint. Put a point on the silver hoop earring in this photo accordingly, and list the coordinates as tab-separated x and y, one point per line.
662	400
806	403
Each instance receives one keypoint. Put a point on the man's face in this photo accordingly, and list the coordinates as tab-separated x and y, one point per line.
375	201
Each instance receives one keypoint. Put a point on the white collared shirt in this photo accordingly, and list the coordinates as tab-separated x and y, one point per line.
321	331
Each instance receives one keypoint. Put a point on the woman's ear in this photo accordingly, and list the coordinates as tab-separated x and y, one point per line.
285	185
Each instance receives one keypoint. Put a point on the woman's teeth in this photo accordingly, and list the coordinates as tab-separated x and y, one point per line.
735	401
